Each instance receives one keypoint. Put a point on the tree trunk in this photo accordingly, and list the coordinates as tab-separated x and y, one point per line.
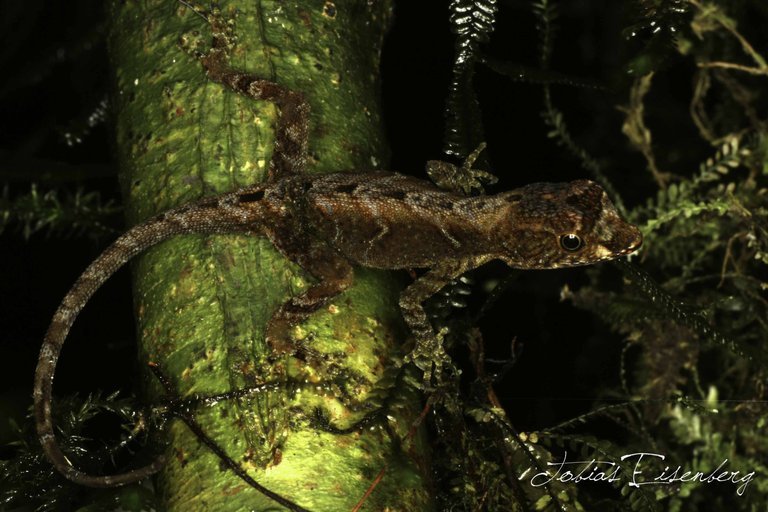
202	302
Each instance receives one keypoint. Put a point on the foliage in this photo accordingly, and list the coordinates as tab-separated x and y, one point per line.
705	240
51	212
28	480
691	306
694	334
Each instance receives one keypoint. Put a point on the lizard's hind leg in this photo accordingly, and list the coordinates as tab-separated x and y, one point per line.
289	154
333	273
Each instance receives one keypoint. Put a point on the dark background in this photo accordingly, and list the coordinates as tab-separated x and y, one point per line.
55	71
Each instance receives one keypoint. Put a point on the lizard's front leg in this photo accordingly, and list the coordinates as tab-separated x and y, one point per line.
428	353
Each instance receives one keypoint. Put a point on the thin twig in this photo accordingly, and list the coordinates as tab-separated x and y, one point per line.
196	429
731	65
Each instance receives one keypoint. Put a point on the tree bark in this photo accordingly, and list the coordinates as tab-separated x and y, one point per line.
202	302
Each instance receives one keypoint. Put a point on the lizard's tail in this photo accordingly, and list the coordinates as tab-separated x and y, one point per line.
232	216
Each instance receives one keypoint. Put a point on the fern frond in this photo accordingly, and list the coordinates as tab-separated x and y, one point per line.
546	13
81	127
679	311
656	32
472	21
729	155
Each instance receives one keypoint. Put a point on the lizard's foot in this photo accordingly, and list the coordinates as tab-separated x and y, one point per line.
462	179
430	357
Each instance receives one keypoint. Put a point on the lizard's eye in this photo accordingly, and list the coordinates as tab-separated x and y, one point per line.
571	242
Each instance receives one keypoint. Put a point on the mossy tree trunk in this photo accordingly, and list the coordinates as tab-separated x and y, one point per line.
202	301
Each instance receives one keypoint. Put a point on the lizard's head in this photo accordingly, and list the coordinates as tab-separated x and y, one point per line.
554	225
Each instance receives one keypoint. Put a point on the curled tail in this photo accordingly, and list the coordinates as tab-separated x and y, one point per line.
239	211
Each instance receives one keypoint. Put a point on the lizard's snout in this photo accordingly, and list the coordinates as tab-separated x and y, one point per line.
634	240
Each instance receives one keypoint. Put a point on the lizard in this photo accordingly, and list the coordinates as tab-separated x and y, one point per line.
329	223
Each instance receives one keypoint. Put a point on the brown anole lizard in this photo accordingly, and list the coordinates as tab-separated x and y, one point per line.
329	223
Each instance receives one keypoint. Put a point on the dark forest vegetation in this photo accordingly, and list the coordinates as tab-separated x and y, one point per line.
660	101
